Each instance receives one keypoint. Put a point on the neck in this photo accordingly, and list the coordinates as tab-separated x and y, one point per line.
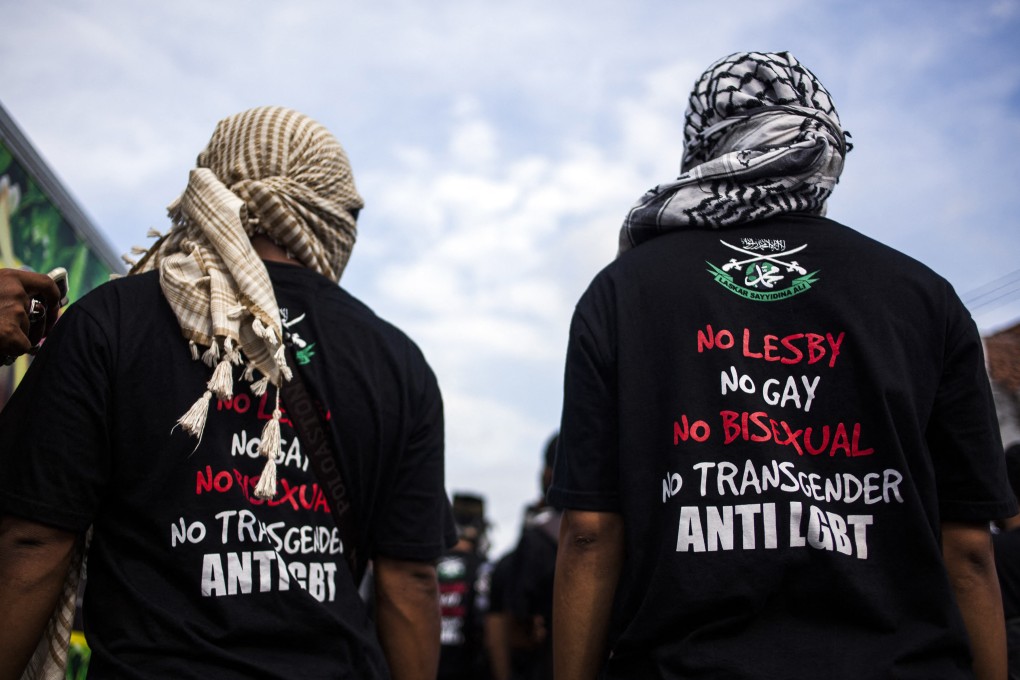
267	249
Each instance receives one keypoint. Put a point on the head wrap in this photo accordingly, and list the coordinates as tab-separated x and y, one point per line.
761	138
271	171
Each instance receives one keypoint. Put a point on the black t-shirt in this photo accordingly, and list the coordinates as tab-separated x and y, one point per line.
464	580
190	575
530	588
783	413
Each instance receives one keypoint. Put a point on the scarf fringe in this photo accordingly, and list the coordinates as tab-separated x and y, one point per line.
280	357
232	353
212	355
266	488
259	387
270	448
193	422
222	382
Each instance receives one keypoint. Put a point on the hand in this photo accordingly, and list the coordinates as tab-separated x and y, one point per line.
17	290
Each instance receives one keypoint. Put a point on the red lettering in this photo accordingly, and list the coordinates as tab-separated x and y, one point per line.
299	497
242	402
770	348
305	503
264	414
287	497
320	501
816	351
814	451
239	403
222	481
834	344
854	449
731	430
789	344
747	346
840	441
708	339
203	482
760	419
698	430
792	437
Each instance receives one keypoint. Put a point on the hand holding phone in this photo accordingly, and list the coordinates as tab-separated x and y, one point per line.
29	304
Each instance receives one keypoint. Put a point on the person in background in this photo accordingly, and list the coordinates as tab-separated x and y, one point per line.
528	589
464	578
499	642
153	414
1007	565
779	454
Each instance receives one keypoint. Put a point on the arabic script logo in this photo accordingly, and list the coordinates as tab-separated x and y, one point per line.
765	272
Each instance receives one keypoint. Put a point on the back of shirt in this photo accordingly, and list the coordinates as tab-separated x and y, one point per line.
784	413
190	574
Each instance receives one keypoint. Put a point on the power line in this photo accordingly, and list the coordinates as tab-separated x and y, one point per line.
972	297
985	304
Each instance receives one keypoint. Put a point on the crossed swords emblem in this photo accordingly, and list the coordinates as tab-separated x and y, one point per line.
766	276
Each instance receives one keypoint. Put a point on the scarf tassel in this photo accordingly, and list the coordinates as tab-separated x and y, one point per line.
249	372
259	387
270	448
193	422
222	382
212	355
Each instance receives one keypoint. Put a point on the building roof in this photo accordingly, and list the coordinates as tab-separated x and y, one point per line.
1003	355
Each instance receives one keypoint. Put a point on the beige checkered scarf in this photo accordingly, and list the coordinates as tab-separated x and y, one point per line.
268	171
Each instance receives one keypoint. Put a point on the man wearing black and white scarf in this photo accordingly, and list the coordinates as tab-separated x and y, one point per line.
778	453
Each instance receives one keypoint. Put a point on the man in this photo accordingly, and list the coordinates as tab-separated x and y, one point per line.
778	451
20	291
464	594
520	617
216	555
1007	565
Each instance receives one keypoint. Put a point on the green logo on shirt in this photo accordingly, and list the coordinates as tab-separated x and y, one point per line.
764	272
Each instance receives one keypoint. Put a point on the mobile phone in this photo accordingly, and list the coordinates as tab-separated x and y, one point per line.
59	276
37	311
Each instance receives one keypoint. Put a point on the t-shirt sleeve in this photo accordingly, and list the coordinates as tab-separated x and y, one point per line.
418	523
963	433
55	456
586	471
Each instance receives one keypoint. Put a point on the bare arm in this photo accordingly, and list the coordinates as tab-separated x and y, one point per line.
588	565
497	644
34	559
408	617
967	550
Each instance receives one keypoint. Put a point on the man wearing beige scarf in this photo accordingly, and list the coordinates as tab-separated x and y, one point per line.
154	415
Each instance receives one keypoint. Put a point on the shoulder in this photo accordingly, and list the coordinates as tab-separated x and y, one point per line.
134	294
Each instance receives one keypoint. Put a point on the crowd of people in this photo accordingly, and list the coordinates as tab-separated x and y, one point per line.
768	464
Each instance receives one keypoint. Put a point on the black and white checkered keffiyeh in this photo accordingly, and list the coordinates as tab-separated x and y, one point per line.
761	138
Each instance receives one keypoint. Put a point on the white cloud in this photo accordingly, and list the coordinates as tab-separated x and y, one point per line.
498	147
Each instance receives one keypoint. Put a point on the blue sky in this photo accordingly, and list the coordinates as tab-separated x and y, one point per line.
498	146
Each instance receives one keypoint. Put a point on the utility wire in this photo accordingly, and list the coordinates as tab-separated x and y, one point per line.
971	298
